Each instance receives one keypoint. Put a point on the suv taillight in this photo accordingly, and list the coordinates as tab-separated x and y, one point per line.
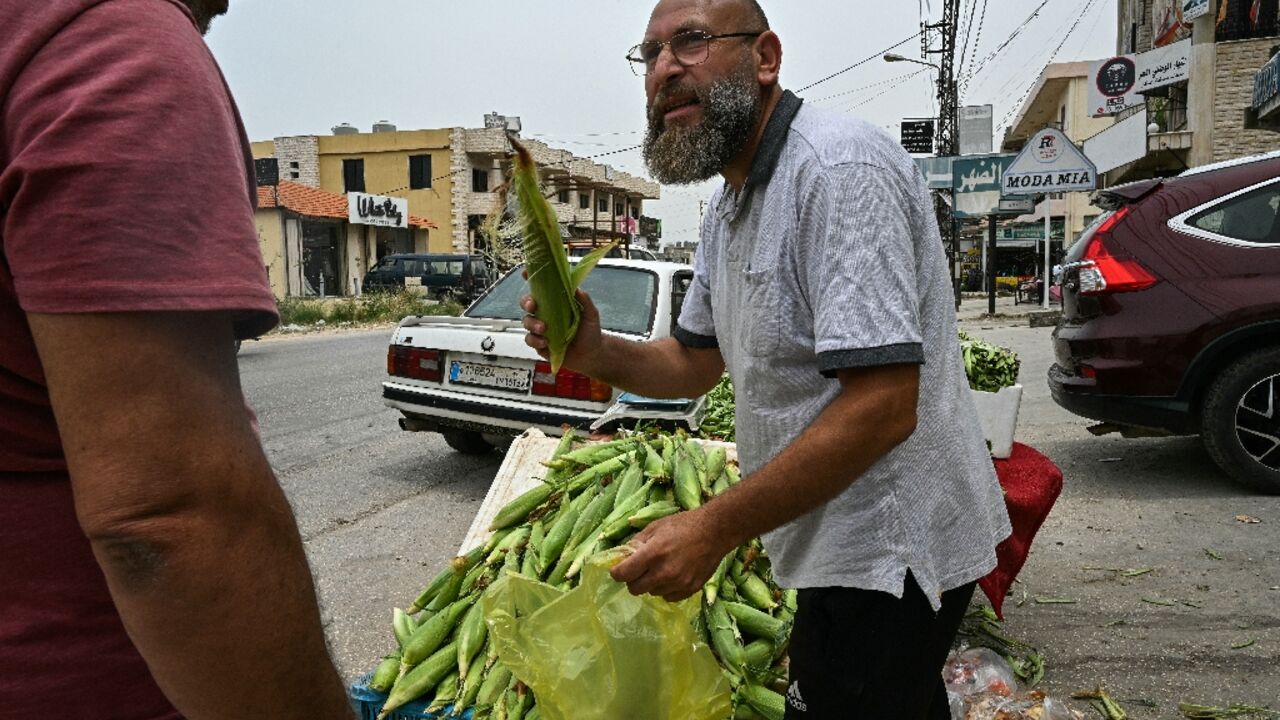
1102	271
568	384
416	363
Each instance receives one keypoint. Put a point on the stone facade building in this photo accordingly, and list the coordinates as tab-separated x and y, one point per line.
1202	120
452	177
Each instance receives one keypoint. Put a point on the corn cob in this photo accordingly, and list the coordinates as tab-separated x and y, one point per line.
725	638
431	635
517	510
401	625
552	282
472	634
439	581
756	623
494	685
576	483
423	677
470	687
687	485
764	701
445	693
384	676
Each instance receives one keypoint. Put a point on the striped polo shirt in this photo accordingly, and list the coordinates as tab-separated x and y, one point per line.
830	258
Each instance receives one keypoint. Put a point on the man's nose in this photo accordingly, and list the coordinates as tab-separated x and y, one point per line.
665	66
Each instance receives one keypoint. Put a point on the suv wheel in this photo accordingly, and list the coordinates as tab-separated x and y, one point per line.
467	442
1241	420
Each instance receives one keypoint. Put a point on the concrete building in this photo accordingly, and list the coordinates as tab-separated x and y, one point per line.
311	248
1203	119
450	176
1059	99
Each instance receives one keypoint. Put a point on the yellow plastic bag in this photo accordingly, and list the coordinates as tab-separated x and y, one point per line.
597	652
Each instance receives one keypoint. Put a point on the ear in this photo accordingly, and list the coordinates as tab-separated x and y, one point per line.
768	58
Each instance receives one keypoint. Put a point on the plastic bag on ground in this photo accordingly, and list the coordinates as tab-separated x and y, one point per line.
1027	706
977	671
597	652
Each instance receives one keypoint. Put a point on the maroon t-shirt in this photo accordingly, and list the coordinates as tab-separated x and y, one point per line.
124	186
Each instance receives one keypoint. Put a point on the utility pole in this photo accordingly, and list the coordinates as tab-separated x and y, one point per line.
940	39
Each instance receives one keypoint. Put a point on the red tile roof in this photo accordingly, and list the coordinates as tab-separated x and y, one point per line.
314	202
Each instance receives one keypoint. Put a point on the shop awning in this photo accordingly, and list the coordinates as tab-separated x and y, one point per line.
316	203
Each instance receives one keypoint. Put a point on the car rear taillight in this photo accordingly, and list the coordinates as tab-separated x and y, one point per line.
1104	270
415	363
568	384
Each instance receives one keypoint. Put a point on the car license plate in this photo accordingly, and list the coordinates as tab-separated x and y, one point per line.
494	376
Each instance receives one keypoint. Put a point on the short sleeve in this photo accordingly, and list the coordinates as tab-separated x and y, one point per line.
859	269
126	183
696	327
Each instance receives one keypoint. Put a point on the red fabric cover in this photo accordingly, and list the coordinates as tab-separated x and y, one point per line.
1031	485
125	185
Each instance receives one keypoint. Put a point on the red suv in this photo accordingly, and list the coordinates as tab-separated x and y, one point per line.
1171	314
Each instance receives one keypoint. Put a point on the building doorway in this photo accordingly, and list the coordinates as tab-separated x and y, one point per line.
393	241
321	259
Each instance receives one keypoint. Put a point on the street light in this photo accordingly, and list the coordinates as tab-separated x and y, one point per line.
895	57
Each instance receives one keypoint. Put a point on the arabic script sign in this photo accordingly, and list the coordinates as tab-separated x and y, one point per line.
377	210
1164	66
976	180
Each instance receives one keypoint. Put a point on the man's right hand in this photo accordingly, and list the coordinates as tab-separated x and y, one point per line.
587	345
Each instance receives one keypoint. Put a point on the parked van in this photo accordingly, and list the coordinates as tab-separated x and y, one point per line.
462	276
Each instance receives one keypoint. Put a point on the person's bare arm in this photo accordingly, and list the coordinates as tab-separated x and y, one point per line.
874	413
196	539
659	369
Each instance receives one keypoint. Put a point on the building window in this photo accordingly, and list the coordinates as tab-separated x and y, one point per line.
602	205
584	201
563	197
294	174
619	209
419	172
353	175
293	165
479	180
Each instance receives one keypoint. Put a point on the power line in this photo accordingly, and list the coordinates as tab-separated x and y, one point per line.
1001	47
1053	56
977	43
882	93
861	62
872	86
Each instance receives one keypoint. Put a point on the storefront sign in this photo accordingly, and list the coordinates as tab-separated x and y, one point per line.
1266	88
379	210
1164	66
1031	231
1120	144
1049	163
917	136
1017	205
1111	86
1192	9
936	171
976	181
976	129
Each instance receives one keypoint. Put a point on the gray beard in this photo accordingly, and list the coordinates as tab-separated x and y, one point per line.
683	155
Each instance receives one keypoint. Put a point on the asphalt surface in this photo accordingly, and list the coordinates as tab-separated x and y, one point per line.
1122	588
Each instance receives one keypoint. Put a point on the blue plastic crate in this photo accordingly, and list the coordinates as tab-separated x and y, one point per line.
368	702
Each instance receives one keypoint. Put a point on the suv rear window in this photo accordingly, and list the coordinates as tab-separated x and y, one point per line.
624	296
1250	217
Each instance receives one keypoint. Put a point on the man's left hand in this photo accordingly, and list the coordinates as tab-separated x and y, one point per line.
674	557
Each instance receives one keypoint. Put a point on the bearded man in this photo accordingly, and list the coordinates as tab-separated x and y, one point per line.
820	285
150	566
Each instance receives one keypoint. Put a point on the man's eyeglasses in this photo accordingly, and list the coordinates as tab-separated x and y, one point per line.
691	47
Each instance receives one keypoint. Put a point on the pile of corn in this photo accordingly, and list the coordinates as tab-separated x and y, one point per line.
595	497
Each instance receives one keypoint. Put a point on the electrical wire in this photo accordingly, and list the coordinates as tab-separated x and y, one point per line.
977	43
872	86
882	93
862	62
1053	56
986	61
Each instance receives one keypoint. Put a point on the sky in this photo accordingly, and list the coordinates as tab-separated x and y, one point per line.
299	67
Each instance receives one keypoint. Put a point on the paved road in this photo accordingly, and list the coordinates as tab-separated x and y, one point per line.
381	509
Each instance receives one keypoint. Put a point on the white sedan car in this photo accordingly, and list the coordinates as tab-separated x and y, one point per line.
473	379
